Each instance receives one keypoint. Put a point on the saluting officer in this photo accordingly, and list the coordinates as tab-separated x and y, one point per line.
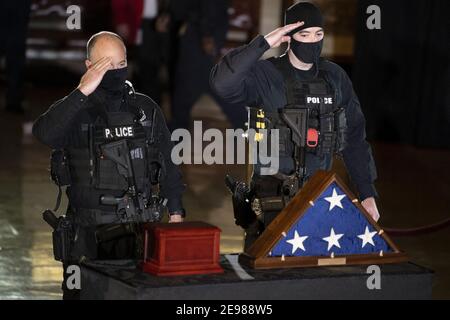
299	80
116	147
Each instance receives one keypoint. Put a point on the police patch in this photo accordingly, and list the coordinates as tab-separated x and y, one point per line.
316	99
119	132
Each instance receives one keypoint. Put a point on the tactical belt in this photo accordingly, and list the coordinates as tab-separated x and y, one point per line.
94	217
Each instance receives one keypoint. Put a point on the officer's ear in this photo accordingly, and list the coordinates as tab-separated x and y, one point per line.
88	63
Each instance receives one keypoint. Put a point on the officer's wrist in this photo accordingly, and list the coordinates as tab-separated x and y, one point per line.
82	90
180	212
366	191
77	98
264	44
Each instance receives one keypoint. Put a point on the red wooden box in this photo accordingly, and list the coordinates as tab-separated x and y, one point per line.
181	249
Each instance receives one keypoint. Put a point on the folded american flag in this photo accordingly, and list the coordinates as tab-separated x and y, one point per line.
332	226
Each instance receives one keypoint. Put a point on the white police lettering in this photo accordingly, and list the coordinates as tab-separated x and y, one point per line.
119	132
319	100
108	134
124	132
314	100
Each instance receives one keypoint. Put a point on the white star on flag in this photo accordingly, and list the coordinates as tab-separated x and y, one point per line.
297	242
367	237
335	200
333	239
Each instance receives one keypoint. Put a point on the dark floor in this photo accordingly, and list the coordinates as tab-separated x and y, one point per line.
414	187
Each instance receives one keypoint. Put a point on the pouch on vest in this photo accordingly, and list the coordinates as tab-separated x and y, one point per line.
59	168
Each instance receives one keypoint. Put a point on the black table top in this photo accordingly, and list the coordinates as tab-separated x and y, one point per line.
127	271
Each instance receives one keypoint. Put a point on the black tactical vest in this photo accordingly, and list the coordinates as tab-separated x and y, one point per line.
91	167
311	125
316	98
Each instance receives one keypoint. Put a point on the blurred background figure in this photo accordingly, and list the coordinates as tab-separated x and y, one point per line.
154	49
127	16
202	36
14	18
144	24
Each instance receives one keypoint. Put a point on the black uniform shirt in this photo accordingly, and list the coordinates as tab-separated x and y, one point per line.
304	75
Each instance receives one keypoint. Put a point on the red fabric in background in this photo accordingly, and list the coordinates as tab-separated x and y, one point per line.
128	12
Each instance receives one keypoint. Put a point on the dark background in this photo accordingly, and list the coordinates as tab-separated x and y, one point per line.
401	72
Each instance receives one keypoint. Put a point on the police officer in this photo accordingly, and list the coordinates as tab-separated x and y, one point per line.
116	147
299	80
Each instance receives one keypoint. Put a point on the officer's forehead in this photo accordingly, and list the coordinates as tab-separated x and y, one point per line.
106	44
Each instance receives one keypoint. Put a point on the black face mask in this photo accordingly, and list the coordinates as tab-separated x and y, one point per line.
307	52
113	81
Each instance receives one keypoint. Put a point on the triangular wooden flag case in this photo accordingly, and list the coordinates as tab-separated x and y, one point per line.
310	213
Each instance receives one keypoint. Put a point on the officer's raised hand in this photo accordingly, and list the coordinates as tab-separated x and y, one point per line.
94	75
280	35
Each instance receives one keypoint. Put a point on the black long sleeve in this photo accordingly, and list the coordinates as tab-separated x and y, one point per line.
172	186
357	154
52	128
232	78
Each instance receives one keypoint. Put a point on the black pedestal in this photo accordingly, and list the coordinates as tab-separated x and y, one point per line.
122	280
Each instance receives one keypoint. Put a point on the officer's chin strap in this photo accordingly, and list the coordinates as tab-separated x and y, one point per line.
139	112
130	89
